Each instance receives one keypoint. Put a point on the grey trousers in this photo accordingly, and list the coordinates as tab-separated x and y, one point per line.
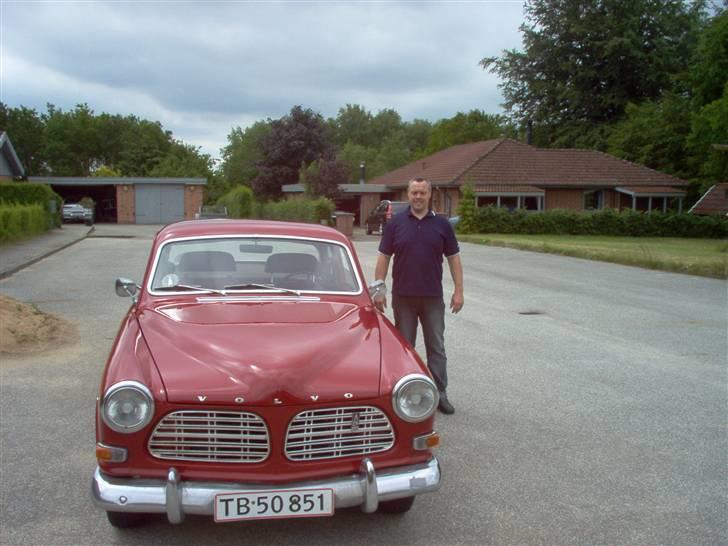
430	312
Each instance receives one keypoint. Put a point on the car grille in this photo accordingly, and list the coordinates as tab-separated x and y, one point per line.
338	432
211	436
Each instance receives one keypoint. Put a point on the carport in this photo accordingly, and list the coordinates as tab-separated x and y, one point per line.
133	200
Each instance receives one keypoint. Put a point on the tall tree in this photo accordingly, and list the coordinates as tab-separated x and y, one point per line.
243	152
71	141
462	128
294	140
24	126
583	62
183	160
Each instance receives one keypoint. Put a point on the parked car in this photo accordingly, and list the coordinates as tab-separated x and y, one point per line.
76	212
253	378
382	214
211	211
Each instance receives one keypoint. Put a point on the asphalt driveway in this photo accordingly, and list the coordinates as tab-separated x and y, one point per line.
591	408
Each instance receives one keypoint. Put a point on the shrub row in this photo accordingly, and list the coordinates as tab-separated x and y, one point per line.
20	221
240	204
24	193
301	210
605	222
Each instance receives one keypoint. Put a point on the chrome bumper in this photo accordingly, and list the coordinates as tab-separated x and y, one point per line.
177	498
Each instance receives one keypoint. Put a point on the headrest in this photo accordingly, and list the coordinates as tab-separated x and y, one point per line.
291	262
210	261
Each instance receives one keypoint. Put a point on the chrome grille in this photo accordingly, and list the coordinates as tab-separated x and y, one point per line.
338	432
211	436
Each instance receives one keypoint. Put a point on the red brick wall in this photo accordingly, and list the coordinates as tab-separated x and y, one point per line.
125	213
564	199
193	200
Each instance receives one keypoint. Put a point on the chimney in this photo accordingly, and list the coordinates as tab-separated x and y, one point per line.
362	173
529	132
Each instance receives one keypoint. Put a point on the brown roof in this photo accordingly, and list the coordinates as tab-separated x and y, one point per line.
713	201
651	190
506	161
505	188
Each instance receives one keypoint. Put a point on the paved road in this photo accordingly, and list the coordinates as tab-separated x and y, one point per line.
591	408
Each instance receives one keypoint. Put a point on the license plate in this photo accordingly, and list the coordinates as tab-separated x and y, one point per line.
288	503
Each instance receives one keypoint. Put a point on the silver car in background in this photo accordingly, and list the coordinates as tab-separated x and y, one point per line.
76	212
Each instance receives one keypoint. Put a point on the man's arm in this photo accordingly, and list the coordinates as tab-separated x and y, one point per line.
380	274
456	271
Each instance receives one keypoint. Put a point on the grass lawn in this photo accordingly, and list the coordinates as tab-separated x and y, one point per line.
705	257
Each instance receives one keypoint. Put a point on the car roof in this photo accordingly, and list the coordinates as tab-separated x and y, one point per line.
233	228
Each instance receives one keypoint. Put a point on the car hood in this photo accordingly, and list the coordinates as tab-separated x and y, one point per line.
264	353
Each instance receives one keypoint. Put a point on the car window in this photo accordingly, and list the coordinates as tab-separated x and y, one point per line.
217	263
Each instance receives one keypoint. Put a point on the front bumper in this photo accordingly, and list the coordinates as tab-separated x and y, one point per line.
177	498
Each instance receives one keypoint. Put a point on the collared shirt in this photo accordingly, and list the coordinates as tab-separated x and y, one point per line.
418	247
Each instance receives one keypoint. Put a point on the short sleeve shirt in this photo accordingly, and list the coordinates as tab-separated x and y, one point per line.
418	247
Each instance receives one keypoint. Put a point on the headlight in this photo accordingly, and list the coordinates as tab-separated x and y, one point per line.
127	406
415	398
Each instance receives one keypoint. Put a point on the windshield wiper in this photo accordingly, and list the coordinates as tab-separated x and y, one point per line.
264	286
177	287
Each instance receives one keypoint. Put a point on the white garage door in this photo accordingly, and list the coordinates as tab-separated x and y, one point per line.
159	203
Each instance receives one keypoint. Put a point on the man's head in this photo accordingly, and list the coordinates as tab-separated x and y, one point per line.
419	192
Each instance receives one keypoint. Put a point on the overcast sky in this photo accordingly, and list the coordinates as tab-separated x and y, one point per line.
202	68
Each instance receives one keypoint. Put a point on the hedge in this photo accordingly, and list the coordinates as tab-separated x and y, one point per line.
21	221
627	223
24	193
302	210
238	201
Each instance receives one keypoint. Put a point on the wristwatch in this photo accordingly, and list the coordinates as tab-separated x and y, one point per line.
377	288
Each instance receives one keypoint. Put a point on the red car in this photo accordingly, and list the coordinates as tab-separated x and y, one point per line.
253	378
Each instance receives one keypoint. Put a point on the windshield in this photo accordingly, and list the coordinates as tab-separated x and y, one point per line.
254	264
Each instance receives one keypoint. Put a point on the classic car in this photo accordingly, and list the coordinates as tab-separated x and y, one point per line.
253	378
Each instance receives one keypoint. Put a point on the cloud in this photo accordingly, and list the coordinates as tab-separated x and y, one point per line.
201	69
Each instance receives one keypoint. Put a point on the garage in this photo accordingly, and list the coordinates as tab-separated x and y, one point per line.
132	200
159	203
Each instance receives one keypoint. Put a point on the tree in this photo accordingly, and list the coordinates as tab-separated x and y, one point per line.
583	62
462	128
709	70
71	141
353	124
322	177
295	139
106	172
244	151
25	128
143	145
183	160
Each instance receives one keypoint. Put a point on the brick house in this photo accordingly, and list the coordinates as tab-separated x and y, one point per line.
508	173
714	202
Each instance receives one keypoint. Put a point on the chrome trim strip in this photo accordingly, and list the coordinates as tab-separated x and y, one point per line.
218	299
150	496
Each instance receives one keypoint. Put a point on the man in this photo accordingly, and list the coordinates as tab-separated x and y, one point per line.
418	238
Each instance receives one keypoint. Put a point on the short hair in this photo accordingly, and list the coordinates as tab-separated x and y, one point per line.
419	179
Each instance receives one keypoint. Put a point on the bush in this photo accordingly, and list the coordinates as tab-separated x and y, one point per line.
466	210
605	222
24	193
238	201
21	221
302	210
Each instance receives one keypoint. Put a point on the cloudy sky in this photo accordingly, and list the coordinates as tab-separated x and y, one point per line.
202	68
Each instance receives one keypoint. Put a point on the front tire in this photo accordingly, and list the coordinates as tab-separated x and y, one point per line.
125	520
397	506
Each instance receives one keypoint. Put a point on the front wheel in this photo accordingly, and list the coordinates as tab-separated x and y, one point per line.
398	506
125	520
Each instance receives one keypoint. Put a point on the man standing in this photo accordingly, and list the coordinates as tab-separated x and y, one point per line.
418	238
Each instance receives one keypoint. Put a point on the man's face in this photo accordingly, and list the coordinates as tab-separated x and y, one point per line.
418	195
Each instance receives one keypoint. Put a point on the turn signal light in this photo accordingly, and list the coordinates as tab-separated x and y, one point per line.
110	454
428	441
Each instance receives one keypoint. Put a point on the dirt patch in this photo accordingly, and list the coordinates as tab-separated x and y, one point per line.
25	329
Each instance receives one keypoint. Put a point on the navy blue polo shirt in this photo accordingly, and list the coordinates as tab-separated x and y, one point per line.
418	247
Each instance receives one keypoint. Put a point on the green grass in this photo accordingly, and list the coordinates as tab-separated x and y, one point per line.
704	257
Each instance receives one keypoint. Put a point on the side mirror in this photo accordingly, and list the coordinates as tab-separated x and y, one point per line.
127	288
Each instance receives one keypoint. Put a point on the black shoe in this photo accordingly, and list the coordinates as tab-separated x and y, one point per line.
445	406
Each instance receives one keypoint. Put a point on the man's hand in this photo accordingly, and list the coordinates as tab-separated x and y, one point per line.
380	302
456	302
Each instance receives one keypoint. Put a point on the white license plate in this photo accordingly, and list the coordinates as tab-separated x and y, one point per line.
288	503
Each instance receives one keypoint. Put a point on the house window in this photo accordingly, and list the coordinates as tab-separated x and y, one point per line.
509	202
593	200
530	203
487	200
